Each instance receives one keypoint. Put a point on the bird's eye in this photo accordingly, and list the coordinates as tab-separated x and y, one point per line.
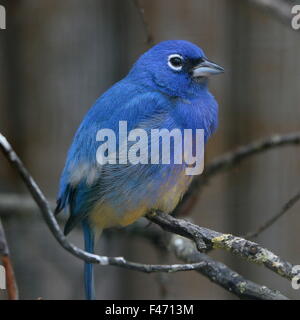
175	62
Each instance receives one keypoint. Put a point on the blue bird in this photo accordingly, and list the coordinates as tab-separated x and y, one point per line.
167	88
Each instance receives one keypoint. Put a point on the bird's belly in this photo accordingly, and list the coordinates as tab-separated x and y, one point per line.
164	197
106	216
171	193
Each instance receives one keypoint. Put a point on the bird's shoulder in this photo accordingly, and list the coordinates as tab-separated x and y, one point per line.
124	101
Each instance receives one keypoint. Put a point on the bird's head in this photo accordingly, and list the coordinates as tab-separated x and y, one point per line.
176	67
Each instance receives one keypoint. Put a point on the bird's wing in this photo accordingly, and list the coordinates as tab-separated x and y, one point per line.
81	178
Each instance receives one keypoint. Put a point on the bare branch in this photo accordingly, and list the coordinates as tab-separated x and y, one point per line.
220	274
230	160
246	249
273	219
215	271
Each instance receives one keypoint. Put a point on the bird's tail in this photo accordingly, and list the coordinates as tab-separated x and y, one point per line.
89	240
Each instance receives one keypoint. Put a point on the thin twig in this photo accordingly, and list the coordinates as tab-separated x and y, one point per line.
230	160
273	219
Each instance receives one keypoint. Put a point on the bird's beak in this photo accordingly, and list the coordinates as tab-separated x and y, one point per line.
206	69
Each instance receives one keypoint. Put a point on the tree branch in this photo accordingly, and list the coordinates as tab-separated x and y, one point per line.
220	274
248	250
230	160
217	272
273	219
